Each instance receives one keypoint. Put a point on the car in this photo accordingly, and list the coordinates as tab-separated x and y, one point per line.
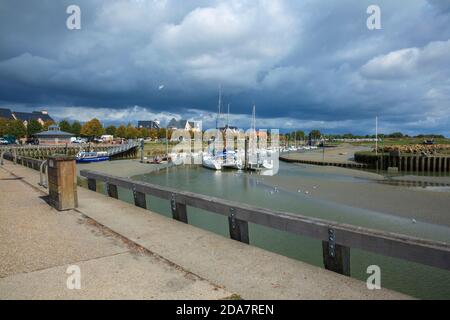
78	140
3	142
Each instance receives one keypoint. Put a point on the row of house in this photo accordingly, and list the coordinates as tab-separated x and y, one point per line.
41	116
173	124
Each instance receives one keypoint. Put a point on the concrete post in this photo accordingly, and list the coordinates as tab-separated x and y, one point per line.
62	182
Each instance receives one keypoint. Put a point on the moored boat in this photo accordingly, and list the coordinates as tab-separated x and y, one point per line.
86	157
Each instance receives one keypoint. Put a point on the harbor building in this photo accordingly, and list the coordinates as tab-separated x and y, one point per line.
53	136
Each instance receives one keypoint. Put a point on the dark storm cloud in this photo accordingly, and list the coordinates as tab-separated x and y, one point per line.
304	63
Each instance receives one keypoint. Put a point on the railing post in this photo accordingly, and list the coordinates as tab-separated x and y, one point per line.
43	182
179	210
335	257
62	182
238	228
112	190
92	184
139	199
1	158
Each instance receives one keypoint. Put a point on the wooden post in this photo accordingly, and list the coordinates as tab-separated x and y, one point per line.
62	182
179	210
238	228
139	199
335	257
92	184
112	191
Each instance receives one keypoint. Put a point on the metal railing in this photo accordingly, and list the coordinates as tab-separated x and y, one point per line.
337	238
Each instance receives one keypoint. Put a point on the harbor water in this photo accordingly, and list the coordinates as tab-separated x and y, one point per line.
414	279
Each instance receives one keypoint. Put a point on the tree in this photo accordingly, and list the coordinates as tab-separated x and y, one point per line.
121	131
396	135
65	126
17	129
47	124
143	133
33	127
315	134
92	128
153	134
111	130
75	128
4	126
131	132
162	133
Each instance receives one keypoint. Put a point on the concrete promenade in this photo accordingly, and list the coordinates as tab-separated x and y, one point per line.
127	252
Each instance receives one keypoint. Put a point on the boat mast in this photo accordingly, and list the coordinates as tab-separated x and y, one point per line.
218	107
228	116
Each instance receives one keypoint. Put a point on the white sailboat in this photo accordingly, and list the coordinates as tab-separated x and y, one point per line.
210	160
258	156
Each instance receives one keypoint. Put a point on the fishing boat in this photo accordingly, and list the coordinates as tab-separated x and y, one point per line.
86	157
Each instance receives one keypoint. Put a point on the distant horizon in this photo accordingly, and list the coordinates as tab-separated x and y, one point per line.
306	65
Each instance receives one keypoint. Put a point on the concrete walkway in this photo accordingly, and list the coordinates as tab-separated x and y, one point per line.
200	258
38	243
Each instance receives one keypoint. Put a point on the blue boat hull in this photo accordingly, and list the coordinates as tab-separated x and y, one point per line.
96	159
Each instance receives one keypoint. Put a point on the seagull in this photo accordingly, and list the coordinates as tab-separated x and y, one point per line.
414	221
161	87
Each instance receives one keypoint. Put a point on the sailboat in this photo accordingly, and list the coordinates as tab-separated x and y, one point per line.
258	156
232	159
210	160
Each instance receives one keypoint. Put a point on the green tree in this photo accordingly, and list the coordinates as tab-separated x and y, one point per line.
65	126
92	128
75	128
121	131
33	127
396	135
4	126
315	134
17	129
111	130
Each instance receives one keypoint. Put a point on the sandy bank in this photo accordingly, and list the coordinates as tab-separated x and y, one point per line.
342	154
121	168
366	193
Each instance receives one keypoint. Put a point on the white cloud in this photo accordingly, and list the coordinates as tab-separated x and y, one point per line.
408	62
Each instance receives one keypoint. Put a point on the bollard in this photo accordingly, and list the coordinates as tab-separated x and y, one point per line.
62	183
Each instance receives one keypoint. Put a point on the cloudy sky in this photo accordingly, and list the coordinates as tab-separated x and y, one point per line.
305	64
